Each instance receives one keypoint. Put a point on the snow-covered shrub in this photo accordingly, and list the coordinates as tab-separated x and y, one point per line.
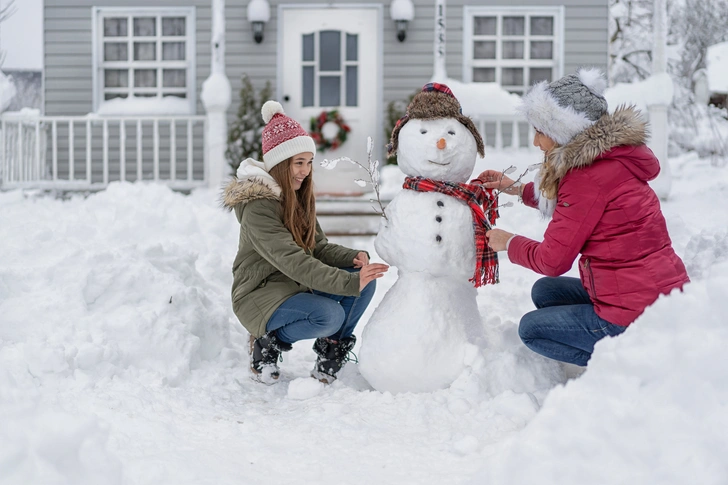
244	137
395	110
699	128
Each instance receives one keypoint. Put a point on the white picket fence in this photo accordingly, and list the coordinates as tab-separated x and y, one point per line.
501	132
87	152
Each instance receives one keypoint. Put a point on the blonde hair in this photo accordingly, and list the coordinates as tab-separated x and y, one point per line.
549	175
299	206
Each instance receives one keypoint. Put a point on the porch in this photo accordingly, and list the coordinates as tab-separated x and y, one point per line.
86	153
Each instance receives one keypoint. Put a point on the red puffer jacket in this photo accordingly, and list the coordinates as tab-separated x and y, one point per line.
606	211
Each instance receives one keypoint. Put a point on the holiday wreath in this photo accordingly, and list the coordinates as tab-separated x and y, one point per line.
317	123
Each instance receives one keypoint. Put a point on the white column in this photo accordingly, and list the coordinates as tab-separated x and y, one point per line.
440	72
216	94
658	112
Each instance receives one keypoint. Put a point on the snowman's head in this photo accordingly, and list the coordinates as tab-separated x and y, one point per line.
440	149
434	139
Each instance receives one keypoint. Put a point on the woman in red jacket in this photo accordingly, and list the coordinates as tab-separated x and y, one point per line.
593	184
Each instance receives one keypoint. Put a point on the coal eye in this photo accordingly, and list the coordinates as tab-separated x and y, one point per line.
451	132
423	131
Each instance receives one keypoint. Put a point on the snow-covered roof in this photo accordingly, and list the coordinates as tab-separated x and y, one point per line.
717	68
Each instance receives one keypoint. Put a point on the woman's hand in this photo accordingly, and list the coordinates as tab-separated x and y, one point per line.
361	260
371	272
497	239
493	179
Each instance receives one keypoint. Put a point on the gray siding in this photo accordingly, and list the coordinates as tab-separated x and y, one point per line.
406	65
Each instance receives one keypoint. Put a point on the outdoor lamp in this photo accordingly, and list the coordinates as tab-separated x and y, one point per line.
402	11
258	15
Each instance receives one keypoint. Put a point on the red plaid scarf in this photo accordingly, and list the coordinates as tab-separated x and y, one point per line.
486	260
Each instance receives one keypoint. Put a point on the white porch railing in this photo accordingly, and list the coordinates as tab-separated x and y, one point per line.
88	152
504	131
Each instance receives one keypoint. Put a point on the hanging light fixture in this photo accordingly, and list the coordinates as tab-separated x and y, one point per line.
402	12
258	15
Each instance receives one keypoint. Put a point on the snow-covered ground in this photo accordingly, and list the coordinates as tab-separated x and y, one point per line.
121	362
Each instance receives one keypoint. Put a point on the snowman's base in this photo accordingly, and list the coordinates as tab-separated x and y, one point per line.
420	334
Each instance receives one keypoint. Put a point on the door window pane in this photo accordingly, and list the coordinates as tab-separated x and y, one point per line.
330	50
484	49
116	78
539	74
145	78
484	74
329	90
484	25
308	47
514	25
116	51
542	49
512	76
145	51
145	26
512	49
352	85
173	51
352	41
542	26
115	27
307	85
173	26
174	78
108	96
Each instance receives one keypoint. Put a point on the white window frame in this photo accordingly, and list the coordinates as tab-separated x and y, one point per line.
469	12
189	64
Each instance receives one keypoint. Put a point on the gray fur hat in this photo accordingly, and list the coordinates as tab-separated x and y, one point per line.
567	106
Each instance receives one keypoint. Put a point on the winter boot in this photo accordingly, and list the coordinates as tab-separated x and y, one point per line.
264	354
332	355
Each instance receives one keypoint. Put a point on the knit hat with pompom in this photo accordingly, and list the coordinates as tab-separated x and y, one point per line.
567	106
283	137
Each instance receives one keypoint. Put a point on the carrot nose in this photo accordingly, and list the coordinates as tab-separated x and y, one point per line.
441	143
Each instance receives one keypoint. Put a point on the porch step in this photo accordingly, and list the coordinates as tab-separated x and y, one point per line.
348	216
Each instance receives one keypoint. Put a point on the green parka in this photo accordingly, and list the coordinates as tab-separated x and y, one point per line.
270	267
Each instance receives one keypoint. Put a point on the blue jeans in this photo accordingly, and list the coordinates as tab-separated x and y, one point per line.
318	314
564	327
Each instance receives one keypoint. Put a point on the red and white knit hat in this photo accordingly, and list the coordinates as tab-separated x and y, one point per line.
283	137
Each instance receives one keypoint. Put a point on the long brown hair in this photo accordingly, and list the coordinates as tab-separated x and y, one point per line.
550	177
299	206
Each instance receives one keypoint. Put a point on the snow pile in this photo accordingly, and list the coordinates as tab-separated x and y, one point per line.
652	408
121	362
133	105
654	90
482	99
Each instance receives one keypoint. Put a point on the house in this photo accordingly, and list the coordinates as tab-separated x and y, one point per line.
137	66
711	83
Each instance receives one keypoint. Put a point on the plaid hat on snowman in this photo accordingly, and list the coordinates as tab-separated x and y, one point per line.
566	107
283	137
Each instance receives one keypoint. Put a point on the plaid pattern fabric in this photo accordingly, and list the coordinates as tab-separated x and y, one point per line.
486	260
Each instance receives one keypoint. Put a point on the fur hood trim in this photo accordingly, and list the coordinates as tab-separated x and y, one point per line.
626	126
250	183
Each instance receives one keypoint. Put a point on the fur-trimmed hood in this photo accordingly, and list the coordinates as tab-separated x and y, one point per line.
624	127
251	182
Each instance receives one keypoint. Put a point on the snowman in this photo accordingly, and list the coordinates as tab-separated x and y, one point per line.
421	334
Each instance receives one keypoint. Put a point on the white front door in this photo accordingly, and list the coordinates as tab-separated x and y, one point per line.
330	61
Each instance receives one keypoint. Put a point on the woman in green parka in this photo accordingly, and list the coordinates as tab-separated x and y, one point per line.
289	282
